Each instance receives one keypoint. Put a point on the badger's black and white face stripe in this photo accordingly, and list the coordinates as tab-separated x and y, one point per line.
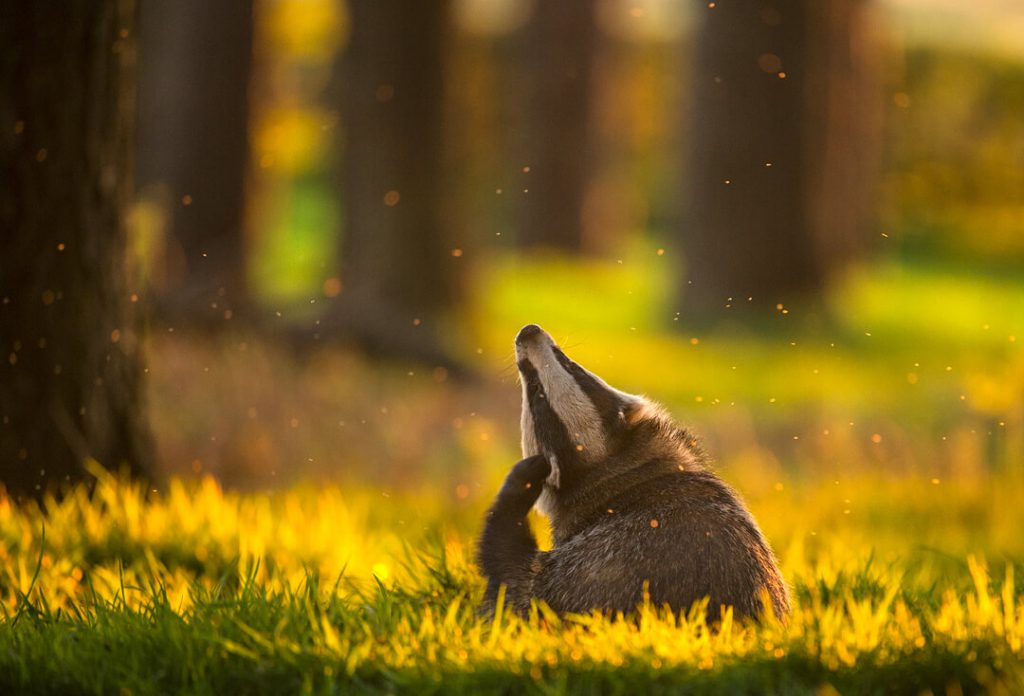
569	415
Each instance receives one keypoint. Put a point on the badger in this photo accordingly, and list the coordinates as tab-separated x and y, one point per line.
635	512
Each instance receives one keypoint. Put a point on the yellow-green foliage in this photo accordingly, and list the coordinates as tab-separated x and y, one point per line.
283	583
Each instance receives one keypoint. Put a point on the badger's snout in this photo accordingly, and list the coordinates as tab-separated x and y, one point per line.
535	345
528	333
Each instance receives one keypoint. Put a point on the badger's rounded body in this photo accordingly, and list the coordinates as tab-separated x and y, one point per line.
633	507
683	536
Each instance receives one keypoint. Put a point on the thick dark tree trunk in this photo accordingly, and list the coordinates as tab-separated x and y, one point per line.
399	269
782	147
70	374
560	43
195	59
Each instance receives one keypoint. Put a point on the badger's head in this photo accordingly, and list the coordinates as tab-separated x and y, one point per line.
582	425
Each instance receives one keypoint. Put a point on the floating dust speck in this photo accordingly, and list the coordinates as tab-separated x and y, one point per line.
332	287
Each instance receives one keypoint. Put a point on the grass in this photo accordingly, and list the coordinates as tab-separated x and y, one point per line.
198	590
877	439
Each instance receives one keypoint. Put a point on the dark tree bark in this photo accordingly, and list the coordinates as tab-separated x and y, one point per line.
399	268
195	60
70	374
560	42
783	139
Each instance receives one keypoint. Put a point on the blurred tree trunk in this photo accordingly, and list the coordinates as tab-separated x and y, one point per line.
195	59
70	377
560	41
399	269
783	143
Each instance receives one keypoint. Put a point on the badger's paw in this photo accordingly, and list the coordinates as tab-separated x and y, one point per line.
524	484
530	472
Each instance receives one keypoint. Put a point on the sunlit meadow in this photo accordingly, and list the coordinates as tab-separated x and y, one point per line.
200	590
879	449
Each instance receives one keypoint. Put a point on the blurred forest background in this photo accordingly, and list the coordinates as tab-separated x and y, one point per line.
283	240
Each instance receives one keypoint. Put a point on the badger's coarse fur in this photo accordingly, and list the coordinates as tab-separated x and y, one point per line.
631	504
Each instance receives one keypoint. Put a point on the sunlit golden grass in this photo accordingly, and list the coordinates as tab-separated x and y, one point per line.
878	438
321	585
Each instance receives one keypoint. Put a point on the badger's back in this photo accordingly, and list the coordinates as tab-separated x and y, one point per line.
682	535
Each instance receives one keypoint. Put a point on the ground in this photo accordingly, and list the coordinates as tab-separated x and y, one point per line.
877	438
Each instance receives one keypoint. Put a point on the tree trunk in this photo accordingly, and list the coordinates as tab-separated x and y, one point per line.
399	268
561	42
195	59
783	139
70	377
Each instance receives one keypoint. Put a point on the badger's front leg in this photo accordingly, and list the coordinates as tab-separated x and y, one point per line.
507	549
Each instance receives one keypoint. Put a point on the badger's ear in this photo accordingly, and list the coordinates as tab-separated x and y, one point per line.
632	410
